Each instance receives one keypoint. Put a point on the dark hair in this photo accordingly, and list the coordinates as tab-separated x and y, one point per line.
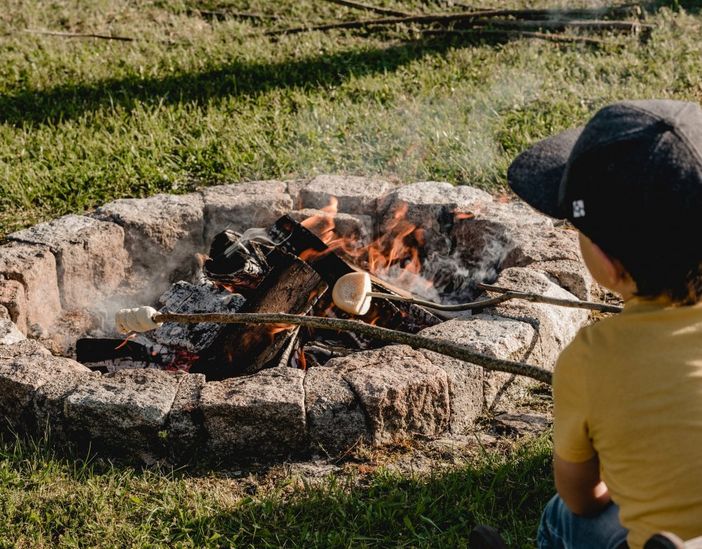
679	279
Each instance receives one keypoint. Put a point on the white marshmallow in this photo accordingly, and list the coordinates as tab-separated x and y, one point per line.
138	319
350	293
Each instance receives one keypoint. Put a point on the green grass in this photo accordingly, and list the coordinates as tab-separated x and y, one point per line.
46	501
86	121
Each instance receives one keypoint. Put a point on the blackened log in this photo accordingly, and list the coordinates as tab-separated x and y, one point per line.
293	287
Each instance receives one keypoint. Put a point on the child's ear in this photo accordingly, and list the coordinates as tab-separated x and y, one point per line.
611	269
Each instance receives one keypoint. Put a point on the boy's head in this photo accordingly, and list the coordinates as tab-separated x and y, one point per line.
631	182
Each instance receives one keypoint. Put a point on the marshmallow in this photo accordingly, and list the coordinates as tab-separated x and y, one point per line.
350	293
138	319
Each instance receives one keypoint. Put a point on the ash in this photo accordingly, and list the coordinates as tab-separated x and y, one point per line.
184	297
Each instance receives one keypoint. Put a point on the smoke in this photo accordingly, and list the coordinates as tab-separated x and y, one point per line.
450	134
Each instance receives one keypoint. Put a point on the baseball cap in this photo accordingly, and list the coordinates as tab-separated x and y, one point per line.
630	179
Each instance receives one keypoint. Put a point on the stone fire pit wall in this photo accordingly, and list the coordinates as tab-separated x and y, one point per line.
129	250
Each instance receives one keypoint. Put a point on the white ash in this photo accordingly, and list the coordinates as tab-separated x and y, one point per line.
184	297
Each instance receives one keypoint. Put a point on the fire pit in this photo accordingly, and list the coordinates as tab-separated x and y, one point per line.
227	392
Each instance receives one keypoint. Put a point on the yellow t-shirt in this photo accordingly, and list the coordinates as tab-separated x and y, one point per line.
629	388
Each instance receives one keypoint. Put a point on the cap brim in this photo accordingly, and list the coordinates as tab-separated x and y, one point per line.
536	174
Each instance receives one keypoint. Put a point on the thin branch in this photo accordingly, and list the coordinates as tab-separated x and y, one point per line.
631	9
224	14
444	19
367	7
551	37
506	295
628	26
78	35
538	298
440	346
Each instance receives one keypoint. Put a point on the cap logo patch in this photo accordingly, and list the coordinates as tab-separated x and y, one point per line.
578	208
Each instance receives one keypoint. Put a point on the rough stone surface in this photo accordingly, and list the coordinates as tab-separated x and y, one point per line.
20	378
294	188
161	233
24	348
262	414
472	388
48	403
355	195
9	333
184	425
14	301
335	418
358	228
241	206
556	326
35	268
124	412
531	243
90	256
432	206
569	275
402	392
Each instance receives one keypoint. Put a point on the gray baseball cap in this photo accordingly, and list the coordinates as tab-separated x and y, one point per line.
630	179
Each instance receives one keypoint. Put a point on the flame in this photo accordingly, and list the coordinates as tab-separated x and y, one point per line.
395	256
126	340
301	359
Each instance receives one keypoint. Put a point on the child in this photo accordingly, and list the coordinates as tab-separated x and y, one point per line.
628	390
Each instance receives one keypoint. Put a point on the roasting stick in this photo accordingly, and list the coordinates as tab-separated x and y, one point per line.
352	293
147	318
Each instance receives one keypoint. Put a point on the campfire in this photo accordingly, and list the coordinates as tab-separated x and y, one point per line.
289	267
246	353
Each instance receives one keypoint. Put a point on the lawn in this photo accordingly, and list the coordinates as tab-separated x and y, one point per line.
194	101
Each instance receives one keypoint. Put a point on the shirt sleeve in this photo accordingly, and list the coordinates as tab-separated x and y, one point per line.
571	440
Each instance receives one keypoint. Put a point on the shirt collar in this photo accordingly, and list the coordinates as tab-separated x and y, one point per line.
646	304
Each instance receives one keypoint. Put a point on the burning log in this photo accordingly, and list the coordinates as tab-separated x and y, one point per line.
293	287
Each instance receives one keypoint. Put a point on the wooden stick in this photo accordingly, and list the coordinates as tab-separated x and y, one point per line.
78	35
441	346
628	26
222	14
506	295
537	298
551	37
367	7
444	18
583	13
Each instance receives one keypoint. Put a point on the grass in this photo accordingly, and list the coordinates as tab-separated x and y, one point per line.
46	501
86	121
193	101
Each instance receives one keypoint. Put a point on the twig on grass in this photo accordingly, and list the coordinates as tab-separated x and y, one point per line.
562	38
367	7
479	18
78	35
224	14
443	347
556	13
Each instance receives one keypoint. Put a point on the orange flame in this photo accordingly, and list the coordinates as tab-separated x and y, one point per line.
394	256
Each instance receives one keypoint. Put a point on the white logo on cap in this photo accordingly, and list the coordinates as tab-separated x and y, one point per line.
578	208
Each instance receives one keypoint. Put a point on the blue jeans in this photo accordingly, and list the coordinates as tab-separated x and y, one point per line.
562	529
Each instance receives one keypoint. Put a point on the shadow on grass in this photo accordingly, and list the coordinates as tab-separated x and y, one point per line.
98	500
65	102
232	80
508	493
